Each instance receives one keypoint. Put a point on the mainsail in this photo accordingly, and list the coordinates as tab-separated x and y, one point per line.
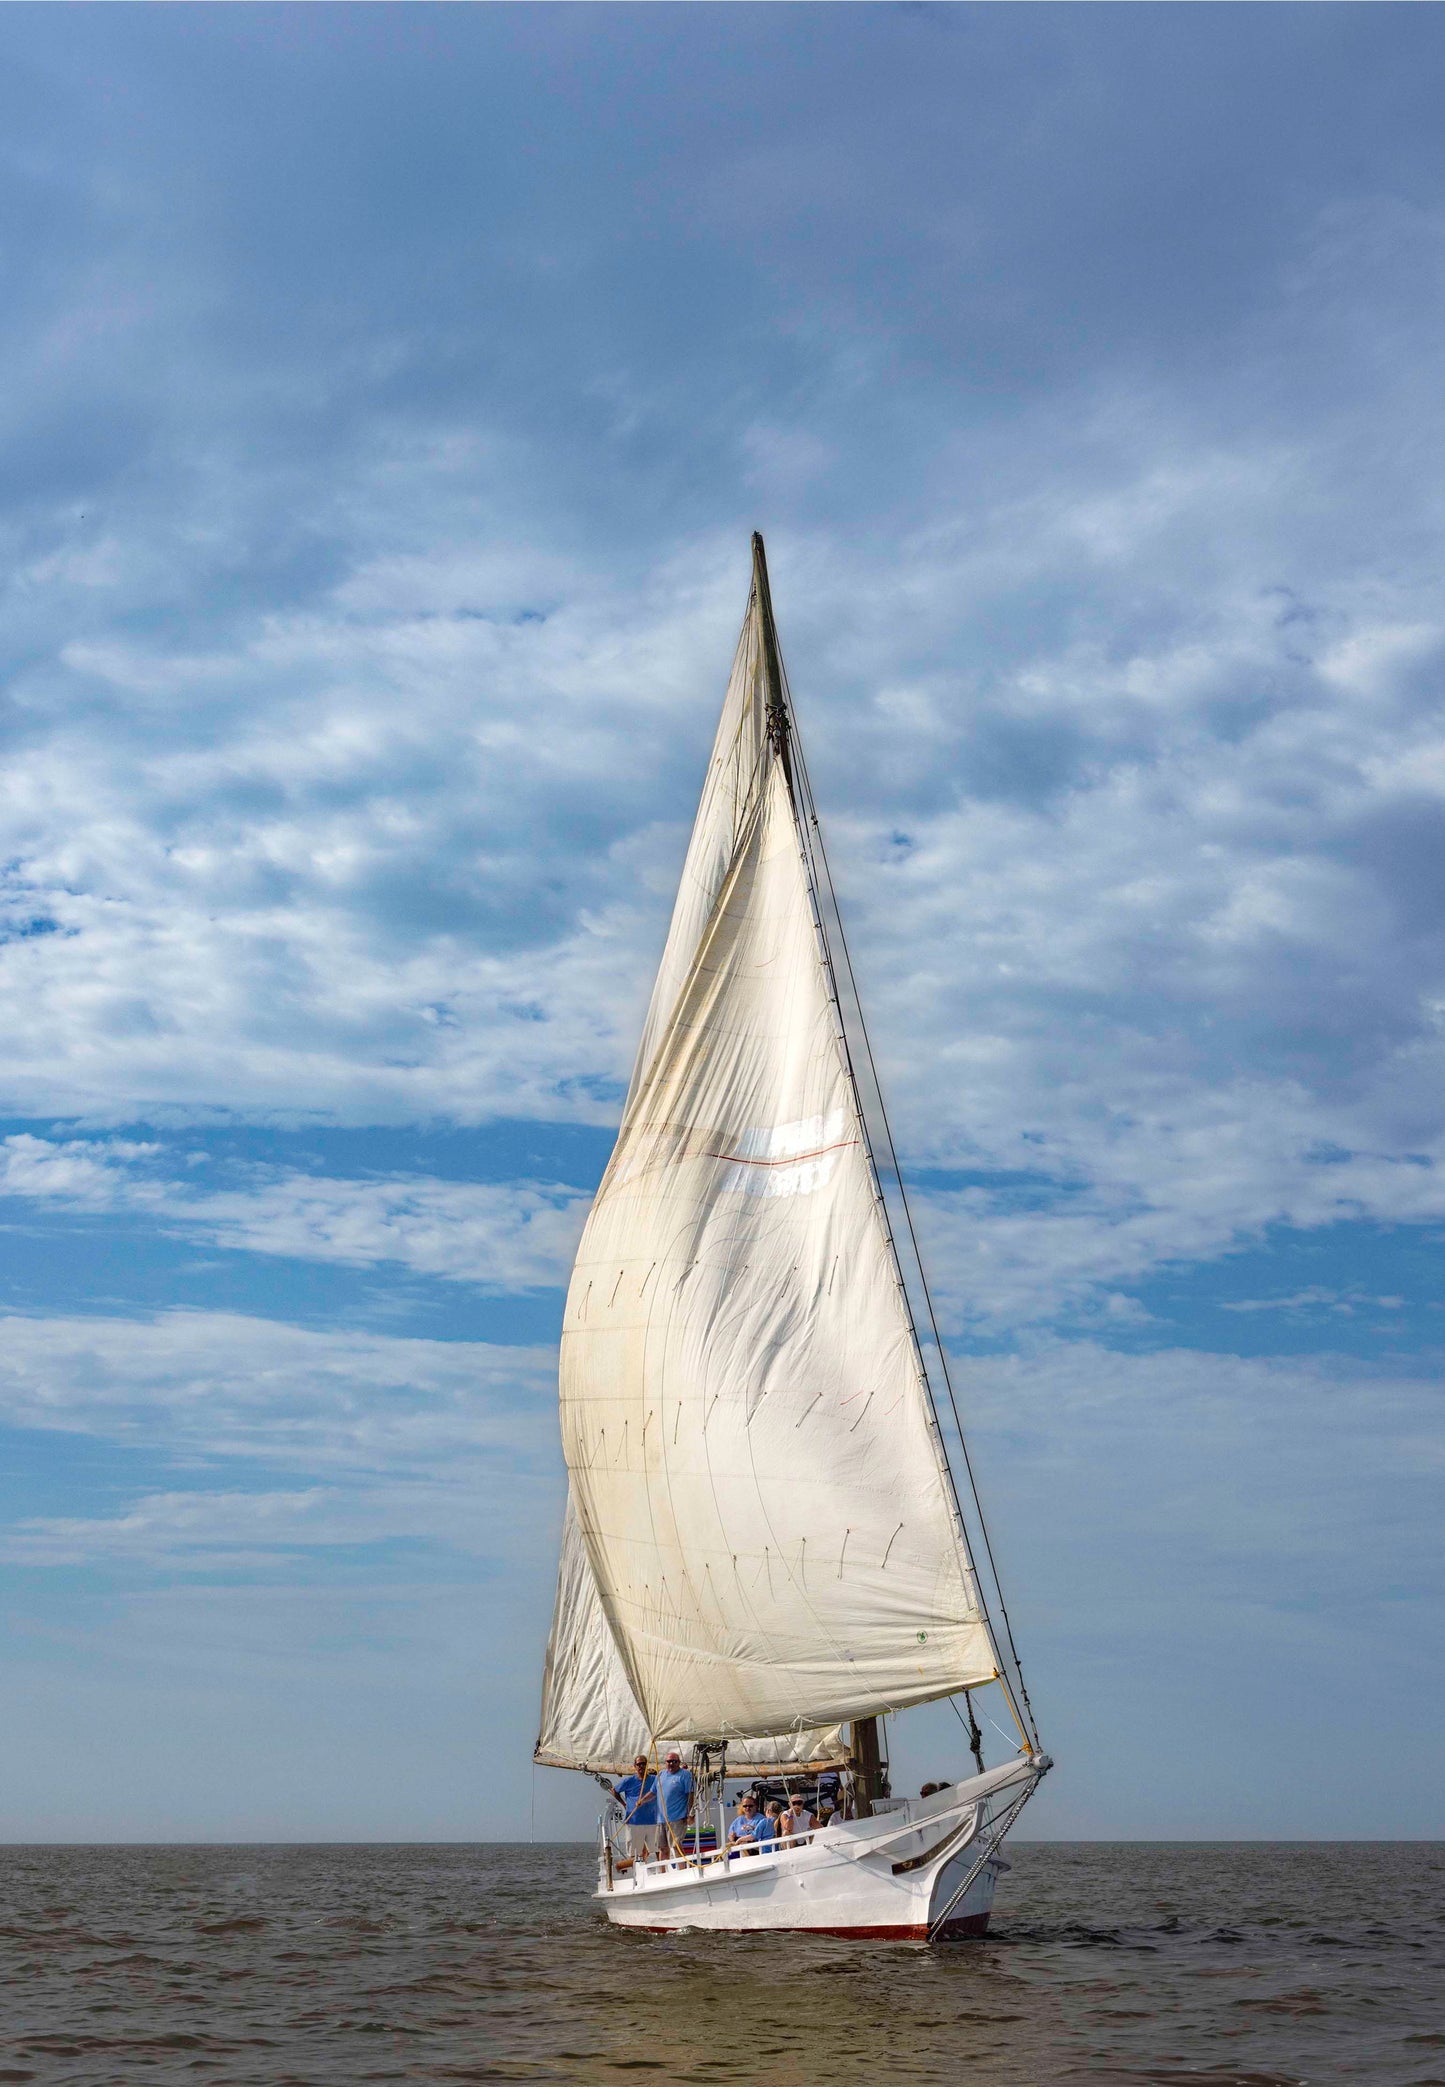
763	1539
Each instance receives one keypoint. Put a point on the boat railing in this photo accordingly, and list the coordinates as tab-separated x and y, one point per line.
902	1814
706	1858
612	1850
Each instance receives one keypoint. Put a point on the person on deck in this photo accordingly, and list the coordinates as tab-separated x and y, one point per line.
797	1819
676	1791
749	1826
637	1794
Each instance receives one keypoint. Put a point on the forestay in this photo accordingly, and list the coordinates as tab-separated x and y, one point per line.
757	1475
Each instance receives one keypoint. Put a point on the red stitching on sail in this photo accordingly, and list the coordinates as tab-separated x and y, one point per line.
736	1159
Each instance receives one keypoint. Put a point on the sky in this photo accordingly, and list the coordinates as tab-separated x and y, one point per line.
386	398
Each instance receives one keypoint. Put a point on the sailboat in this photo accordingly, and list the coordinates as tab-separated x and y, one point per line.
765	1550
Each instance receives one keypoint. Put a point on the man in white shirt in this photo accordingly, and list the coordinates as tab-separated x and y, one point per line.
796	1820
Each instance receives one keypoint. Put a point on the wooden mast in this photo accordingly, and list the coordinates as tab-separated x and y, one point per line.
867	1754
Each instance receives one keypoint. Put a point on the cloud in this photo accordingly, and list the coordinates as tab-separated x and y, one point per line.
356	890
1074	1219
1315	1299
501	1238
217	1530
201	1384
1166	933
255	1448
508	1238
277	1444
1130	757
1207	1487
80	1171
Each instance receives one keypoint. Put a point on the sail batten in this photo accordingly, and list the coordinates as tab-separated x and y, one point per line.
760	1495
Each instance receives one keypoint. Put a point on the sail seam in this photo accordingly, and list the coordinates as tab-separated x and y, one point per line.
792	1159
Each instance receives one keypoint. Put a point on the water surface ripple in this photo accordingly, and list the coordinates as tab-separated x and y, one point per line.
1120	1965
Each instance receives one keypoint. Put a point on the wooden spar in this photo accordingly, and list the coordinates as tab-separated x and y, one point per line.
868	1755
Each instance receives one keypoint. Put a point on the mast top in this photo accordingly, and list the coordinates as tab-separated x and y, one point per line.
778	721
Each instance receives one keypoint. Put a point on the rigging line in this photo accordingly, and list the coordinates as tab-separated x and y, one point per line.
800	763
783	731
971	1726
992	1836
897	1173
1004	1736
880	1199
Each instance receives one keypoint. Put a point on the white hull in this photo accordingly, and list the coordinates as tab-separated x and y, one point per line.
893	1877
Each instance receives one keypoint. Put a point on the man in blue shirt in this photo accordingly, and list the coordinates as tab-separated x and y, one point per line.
750	1826
675	1791
638	1796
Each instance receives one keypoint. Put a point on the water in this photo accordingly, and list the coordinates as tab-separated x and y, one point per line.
1118	1965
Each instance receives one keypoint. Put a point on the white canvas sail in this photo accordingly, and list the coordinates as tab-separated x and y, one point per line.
590	1717
757	1475
728	793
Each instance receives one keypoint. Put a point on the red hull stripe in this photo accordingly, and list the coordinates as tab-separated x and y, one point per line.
974	1924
